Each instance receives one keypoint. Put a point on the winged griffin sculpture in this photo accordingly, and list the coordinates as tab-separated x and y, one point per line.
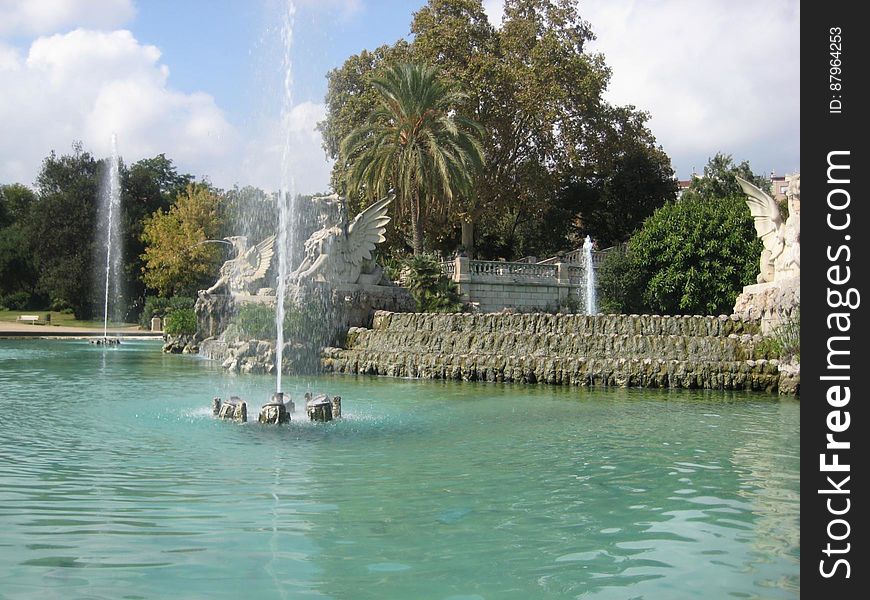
240	273
780	258
337	254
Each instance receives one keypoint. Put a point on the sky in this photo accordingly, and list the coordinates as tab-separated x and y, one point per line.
202	81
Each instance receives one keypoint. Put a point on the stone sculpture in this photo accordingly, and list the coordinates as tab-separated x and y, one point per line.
338	255
234	409
780	258
248	267
775	299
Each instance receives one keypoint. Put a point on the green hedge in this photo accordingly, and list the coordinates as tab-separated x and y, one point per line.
180	322
158	306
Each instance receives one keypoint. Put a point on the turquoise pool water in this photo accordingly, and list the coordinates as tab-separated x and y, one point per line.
116	482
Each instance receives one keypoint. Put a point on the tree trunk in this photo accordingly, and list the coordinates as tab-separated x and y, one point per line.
468	236
415	225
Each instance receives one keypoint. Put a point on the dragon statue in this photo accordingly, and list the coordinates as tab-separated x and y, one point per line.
339	254
249	266
781	257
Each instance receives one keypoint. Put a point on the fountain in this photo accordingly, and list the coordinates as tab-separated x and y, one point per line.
336	273
110	209
589	273
287	202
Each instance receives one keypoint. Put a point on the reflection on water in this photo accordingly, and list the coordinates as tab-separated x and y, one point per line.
116	481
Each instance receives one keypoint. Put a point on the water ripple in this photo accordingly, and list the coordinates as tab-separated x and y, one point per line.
117	482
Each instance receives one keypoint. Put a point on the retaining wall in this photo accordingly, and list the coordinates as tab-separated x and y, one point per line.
623	350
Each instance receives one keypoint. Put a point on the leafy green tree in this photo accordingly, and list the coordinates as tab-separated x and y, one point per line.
176	261
249	211
720	179
621	283
351	98
61	229
180	322
17	272
416	142
537	92
627	181
697	255
147	186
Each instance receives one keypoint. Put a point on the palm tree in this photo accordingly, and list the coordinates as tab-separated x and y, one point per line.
415	142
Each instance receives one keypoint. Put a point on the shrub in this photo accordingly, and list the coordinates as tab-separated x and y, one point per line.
621	284
15	301
158	306
311	321
695	255
256	321
784	342
393	266
429	287
180	322
60	305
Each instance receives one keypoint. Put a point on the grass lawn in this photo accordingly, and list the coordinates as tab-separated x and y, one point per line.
57	318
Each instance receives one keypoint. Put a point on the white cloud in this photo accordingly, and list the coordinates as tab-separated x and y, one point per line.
88	84
9	58
494	10
715	76
85	85
23	17
306	163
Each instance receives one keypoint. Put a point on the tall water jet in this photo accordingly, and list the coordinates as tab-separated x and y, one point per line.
110	214
287	208
589	273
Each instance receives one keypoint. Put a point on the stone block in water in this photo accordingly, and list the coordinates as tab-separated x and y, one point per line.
234	409
336	407
275	412
319	408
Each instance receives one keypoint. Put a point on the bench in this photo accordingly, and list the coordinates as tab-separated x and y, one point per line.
34	319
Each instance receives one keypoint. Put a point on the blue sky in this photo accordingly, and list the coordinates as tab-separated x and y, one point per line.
235	41
201	80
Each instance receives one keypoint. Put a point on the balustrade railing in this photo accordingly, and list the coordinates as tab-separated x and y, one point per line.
459	269
515	270
576	273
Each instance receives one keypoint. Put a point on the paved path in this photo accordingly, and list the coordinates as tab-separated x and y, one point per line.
15	329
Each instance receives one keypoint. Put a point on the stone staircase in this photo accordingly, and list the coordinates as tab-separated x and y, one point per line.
613	350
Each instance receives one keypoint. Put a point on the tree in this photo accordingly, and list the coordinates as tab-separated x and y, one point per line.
176	261
628	179
621	283
351	98
17	272
720	179
416	142
61	229
537	93
249	211
147	186
696	254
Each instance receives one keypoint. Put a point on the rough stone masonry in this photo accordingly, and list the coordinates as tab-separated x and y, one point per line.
723	352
